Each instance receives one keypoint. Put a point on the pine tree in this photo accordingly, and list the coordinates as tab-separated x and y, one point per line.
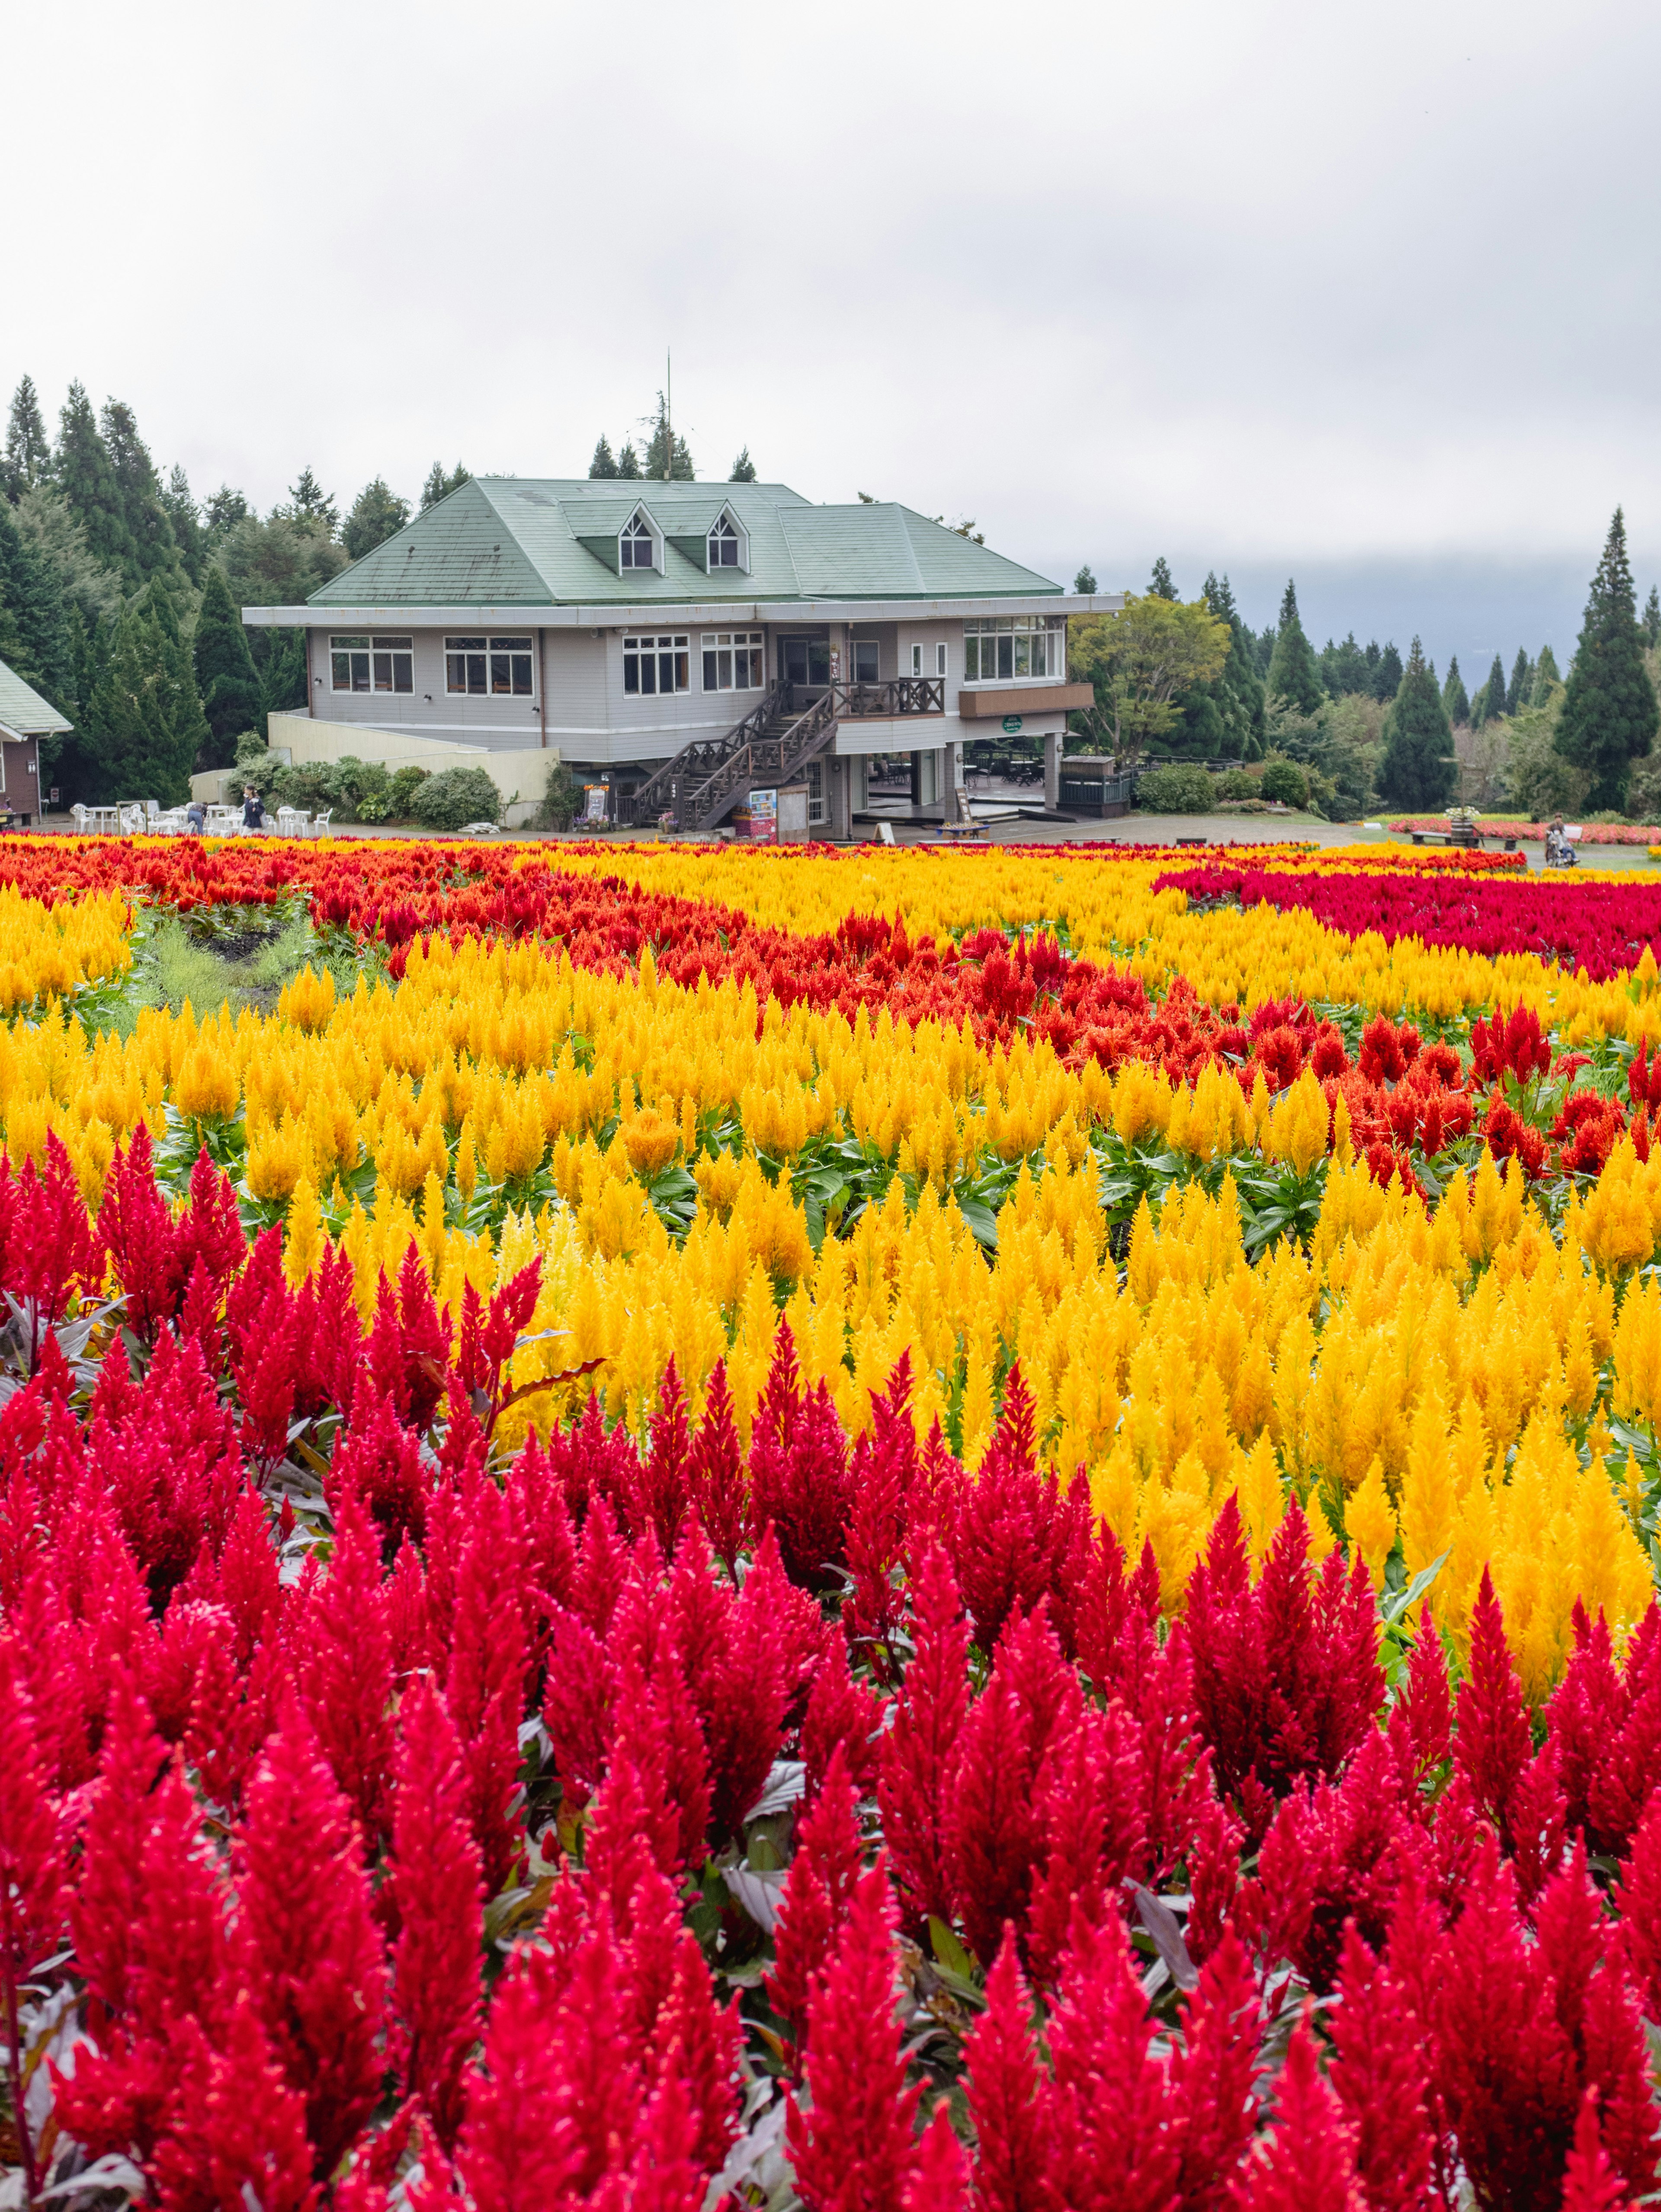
226	677
1292	674
1239	689
744	469
27	456
1521	687
281	672
1371	658
1160	585
85	475
377	514
309	503
32	604
1085	582
156	548
186	518
1343	668
664	461
1546	677
1455	700
605	461
1387	681
1652	611
224	509
143	726
1489	704
629	462
441	482
1418	768
1609	713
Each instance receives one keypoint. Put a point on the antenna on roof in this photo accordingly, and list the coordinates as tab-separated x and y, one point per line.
668	414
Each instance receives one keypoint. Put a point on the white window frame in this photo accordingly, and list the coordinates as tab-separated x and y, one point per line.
917	660
372	649
739	541
737	648
661	652
629	537
1019	639
496	655
940	658
857	646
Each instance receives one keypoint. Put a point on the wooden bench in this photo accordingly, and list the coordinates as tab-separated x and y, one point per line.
1190	840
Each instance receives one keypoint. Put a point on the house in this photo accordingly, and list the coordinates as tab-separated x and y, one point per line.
24	719
678	643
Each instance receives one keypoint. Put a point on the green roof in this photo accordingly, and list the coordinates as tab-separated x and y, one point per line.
23	710
518	541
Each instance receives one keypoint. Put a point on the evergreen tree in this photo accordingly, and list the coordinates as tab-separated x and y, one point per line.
1489	703
744	469
377	514
143	727
84	473
156	548
1388	680
27	456
185	517
1651	613
605	461
1371	657
1160	585
1223	719
1521	686
1609	714
32	601
1455	700
311	506
1263	649
629	462
1085	582
281	672
440	482
1292	674
1344	668
1546	677
222	513
664	461
1418	768
226	677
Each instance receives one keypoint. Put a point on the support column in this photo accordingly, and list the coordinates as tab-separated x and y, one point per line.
1052	769
916	779
840	798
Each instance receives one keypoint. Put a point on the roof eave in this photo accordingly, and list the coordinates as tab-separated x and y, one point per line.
916	606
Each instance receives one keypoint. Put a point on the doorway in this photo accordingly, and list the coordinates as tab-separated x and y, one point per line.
805	660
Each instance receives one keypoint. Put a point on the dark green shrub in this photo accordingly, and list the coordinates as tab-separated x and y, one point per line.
456	796
1284	780
1235	784
400	794
560	799
1182	787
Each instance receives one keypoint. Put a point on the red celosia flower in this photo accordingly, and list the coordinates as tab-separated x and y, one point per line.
1306	2164
237	2133
1515	1048
1380	2077
1639	1895
1493	1745
919	1752
1108	2107
715	1472
31	1870
1009	2096
1211	2078
347	1675
830	1855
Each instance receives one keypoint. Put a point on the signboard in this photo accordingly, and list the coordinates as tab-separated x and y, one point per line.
1012	724
763	817
836	664
594	796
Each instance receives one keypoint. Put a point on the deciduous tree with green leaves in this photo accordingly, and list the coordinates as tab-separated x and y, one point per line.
1609	715
1139	663
1292	672
1418	768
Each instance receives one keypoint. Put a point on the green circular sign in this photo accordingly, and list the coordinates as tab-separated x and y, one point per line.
1012	724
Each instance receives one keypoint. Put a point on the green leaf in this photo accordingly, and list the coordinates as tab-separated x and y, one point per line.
1403	1602
950	1952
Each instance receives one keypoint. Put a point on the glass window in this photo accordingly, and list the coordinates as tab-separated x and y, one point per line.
866	659
724	544
917	660
651	665
639	547
466	664
372	664
940	658
732	660
1002	647
510	666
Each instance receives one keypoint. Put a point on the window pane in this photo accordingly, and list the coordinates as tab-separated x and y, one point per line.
683	671
341	666
403	672
756	679
522	675
632	671
1023	656
349	644
1006	656
649	671
464	645
510	644
475	673
392	644
940	660
709	679
383	672
724	664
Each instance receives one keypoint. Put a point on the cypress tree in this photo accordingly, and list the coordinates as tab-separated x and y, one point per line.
1343	667
629	462
1418	768
1546	677
85	475
1160	585
226	677
605	462
1455	700
744	469
1651	613
281	672
143	726
37	641
186	519
441	482
666	456
1292	673
148	524
309	504
377	514
1239	689
1609	713
1085	582
1262	648
1388	680
1520	688
28	450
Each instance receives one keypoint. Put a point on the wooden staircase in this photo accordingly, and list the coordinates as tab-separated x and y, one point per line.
792	726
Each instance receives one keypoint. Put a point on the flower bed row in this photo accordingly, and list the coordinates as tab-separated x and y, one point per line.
1506	825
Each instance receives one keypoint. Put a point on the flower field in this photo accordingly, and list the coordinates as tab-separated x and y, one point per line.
876	1529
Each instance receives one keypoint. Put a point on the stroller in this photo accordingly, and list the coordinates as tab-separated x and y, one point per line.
1559	853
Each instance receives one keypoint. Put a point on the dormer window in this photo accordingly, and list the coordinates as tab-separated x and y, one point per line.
723	544
639	542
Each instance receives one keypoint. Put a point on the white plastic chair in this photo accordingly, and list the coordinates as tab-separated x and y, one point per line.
131	821
82	818
320	827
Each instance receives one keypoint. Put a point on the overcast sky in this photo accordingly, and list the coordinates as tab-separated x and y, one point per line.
1364	295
